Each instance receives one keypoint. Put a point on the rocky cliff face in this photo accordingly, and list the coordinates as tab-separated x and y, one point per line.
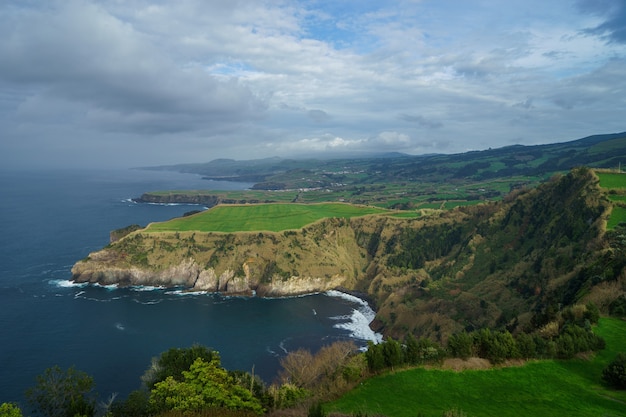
319	258
179	198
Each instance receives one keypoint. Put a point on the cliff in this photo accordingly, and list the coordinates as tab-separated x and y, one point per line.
499	265
320	257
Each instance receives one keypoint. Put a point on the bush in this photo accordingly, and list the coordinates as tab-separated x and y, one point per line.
10	410
61	393
174	362
615	373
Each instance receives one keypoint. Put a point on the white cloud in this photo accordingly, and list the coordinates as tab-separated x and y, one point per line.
250	78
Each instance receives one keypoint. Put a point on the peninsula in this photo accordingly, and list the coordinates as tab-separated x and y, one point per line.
494	264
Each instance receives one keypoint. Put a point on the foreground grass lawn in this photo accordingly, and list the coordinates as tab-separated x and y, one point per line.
261	217
543	388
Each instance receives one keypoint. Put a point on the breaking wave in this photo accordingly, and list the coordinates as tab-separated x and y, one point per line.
358	322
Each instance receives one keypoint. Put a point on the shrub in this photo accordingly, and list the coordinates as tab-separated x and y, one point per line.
615	373
10	410
60	393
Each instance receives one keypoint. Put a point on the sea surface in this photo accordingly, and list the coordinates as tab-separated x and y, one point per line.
51	219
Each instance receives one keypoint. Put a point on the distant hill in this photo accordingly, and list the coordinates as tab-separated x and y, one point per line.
601	151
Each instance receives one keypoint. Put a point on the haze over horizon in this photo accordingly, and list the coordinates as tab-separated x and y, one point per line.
108	83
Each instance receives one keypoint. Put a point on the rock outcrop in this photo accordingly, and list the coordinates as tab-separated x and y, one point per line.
321	257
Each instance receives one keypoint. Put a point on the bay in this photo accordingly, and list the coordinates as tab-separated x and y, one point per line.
51	219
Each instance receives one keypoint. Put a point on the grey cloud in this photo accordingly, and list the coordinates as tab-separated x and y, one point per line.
604	85
318	116
613	29
526	104
83	54
421	121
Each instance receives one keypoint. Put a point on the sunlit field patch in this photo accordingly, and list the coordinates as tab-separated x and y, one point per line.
261	217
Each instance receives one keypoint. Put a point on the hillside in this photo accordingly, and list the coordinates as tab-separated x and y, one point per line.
397	180
511	263
604	151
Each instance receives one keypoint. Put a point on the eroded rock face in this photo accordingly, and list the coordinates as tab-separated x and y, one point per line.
268	264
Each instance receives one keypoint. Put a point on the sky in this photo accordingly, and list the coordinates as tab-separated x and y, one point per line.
126	83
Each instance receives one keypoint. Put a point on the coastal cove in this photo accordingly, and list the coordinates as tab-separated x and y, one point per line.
52	219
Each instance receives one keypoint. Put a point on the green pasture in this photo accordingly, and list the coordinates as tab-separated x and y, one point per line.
261	217
618	215
541	388
612	180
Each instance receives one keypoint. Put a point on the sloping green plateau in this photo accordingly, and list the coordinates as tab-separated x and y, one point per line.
261	217
545	388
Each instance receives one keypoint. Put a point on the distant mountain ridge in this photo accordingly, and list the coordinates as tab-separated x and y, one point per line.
602	151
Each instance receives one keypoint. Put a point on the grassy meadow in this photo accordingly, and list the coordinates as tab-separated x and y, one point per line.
612	180
261	217
615	182
539	388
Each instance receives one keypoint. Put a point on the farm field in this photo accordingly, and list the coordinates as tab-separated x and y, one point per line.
261	217
540	388
616	184
612	180
618	215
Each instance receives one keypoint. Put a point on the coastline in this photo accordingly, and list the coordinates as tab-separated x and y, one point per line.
358	323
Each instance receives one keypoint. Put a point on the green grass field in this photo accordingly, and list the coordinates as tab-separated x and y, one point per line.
261	217
618	215
543	388
612	180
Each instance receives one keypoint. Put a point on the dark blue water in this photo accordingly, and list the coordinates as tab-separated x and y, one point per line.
49	220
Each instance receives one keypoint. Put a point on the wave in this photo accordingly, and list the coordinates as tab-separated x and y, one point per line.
148	303
66	283
358	322
108	287
186	292
142	288
358	325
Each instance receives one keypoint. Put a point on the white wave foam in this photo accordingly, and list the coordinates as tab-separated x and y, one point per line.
141	288
186	292
65	283
108	287
120	326
148	303
358	322
282	347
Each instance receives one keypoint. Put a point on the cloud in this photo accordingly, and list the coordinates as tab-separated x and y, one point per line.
318	116
193	80
421	121
613	29
81	53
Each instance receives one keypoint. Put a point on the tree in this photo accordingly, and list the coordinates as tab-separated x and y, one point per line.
460	345
204	385
10	410
392	352
615	373
526	346
174	362
375	357
61	393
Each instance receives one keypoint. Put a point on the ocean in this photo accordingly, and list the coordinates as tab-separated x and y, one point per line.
51	219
